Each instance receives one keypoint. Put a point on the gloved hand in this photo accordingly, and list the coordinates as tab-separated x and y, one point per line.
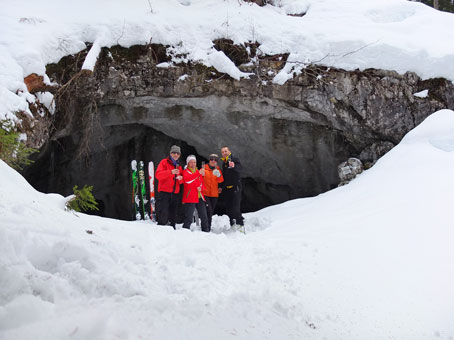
216	172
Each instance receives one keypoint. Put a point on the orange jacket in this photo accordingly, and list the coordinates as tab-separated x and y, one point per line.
211	182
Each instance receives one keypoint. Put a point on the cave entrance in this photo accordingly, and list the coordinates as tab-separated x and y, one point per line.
107	168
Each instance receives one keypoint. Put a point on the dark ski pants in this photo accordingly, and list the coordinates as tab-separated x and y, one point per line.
166	208
189	214
210	204
232	198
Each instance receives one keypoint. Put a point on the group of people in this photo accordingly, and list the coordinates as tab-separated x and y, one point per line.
201	188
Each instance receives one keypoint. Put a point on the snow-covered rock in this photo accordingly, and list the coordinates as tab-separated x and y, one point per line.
393	35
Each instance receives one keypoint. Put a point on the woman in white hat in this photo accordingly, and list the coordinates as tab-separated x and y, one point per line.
192	194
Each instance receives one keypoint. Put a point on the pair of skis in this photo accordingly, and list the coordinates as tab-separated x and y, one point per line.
139	189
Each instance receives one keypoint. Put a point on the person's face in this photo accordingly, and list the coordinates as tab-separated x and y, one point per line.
225	152
192	164
175	155
213	161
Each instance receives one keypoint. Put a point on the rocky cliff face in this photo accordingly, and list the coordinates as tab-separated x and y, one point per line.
290	138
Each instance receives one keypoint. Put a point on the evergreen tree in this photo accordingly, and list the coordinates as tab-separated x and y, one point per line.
12	150
83	199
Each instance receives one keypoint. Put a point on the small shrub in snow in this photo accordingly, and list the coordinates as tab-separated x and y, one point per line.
83	200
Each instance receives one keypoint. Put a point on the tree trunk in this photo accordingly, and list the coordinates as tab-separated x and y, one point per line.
436	4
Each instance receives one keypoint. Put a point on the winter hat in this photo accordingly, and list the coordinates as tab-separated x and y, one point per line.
190	157
176	149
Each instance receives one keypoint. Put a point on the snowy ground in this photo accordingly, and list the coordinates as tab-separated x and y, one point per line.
370	260
388	34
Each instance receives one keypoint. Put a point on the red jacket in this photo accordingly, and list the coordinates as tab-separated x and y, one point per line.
167	181
191	182
211	182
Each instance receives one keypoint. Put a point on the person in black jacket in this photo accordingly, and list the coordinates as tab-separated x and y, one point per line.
231	187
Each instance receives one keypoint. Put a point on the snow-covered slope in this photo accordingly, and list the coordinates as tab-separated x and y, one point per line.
388	34
371	260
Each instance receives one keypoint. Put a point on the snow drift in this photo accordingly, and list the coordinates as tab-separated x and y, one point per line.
370	260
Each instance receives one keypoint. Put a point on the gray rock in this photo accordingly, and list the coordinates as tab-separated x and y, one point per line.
374	151
349	169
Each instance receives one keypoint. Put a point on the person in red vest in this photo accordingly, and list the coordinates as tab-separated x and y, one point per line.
192	194
169	176
213	176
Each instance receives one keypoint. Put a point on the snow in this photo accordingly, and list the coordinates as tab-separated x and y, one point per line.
292	68
47	99
422	94
223	64
369	260
395	35
164	65
92	56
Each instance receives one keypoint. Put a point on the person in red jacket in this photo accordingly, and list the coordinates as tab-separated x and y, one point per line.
169	176
213	176
192	194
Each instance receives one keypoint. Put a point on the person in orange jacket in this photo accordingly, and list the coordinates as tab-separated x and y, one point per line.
193	194
169	176
213	176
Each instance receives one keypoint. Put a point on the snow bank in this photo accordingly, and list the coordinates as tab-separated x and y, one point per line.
384	240
388	34
370	260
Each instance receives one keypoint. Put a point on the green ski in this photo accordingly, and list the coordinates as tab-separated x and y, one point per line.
143	191
135	190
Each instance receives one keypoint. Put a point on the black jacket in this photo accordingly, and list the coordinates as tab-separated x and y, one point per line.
232	176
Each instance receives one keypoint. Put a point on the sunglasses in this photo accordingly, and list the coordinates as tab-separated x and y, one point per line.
213	159
175	153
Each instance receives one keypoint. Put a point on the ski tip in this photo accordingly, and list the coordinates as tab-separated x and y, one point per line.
134	164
